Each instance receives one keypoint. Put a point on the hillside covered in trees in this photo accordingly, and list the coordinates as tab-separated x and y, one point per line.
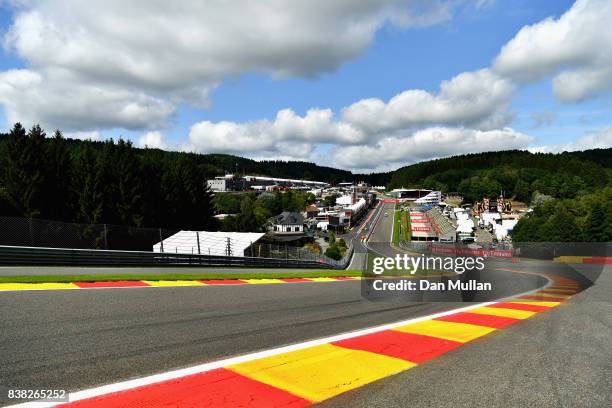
110	182
518	174
571	192
92	182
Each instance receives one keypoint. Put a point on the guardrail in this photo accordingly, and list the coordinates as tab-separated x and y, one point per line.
11	255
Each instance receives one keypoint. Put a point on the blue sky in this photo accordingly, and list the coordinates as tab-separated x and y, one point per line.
394	58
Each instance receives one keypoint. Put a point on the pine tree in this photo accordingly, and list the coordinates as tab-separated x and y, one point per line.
192	194
25	173
596	224
106	183
12	174
521	191
129	188
89	205
60	200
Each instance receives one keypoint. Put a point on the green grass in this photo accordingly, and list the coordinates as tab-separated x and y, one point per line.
406	232
401	226
396	229
178	276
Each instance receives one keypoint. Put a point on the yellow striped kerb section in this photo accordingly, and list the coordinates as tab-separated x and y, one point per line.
496	311
321	372
174	283
460	332
535	302
37	286
256	281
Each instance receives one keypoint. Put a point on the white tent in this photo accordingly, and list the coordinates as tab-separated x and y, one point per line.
465	228
489	217
344	200
210	243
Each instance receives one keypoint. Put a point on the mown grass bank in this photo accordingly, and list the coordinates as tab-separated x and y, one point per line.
178	276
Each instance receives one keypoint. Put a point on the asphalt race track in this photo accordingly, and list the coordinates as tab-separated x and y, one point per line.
76	339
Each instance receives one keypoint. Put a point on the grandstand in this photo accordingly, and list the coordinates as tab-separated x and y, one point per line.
420	227
433	197
409	194
444	228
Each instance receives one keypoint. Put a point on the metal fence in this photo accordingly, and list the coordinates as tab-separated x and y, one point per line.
32	232
62	256
120	244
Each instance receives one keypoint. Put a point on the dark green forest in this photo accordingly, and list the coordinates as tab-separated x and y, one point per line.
587	218
518	174
112	182
571	192
101	182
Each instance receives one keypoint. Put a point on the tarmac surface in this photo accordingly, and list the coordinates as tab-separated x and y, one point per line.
76	339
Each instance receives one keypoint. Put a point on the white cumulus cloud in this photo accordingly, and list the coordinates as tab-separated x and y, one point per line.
55	99
153	139
470	104
128	64
317	126
478	98
601	139
394	151
576	49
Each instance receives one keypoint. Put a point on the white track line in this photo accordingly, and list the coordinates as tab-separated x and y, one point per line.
170	375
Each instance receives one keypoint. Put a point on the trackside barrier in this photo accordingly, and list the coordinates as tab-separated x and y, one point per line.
535	250
10	255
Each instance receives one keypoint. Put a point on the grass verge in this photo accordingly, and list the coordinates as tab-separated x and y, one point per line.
401	226
178	276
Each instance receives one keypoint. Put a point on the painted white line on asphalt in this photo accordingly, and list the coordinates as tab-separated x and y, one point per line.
171	375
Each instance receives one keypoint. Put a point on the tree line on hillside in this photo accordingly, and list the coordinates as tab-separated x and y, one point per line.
219	164
108	182
571	192
517	174
587	218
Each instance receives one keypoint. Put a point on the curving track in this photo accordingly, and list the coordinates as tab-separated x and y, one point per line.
80	339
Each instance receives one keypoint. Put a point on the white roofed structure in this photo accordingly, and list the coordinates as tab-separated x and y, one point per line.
210	243
287	181
358	206
344	200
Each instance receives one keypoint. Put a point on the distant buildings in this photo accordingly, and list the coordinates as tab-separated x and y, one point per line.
420	196
288	223
431	198
231	182
209	243
227	183
262	180
350	202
